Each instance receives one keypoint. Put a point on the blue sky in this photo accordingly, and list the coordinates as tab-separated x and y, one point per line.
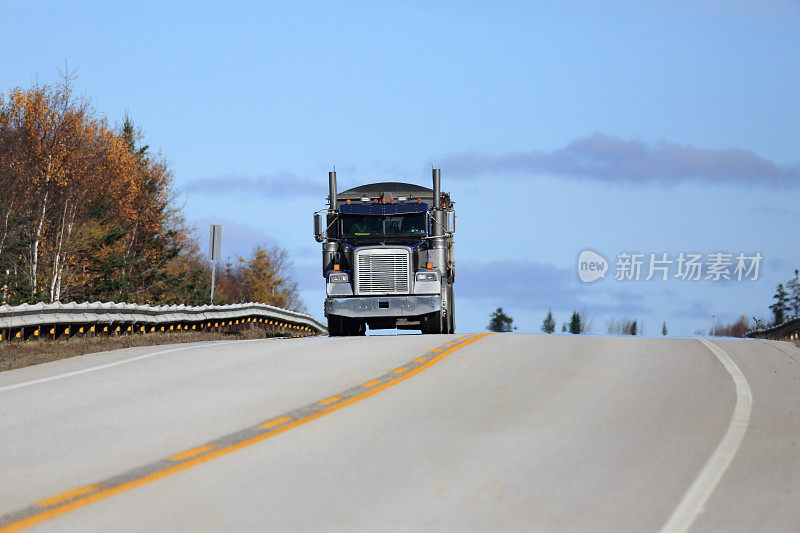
660	127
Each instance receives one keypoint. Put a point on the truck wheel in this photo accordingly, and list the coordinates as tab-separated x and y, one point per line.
357	328
433	324
336	326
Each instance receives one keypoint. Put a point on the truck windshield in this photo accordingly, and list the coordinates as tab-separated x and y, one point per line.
364	225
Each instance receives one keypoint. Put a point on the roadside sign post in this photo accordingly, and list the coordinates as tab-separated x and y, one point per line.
214	248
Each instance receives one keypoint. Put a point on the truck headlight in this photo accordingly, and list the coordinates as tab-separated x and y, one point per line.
339	277
426	276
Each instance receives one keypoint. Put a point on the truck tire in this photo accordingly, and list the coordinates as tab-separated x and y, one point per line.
336	326
433	324
341	326
356	328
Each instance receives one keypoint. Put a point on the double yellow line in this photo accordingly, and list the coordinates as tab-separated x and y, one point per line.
85	495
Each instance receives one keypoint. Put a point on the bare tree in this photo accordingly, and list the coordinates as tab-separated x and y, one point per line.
623	326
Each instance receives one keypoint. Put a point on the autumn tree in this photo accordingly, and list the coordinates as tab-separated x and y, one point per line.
190	277
265	276
262	281
88	212
737	329
85	213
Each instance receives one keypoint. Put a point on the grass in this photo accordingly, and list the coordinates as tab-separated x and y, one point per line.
21	354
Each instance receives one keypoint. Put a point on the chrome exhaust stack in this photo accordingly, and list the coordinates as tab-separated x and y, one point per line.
332	190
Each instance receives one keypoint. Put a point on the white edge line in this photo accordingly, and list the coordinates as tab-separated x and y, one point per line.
702	487
109	365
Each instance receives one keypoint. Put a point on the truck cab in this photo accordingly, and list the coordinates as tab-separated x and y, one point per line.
388	257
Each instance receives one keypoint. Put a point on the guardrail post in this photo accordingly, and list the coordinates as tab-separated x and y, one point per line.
58	331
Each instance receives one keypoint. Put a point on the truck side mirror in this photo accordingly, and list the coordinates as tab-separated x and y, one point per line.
320	226
451	222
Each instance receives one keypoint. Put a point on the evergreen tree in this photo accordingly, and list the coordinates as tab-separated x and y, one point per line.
634	328
548	324
664	329
794	297
780	306
564	327
500	322
575	323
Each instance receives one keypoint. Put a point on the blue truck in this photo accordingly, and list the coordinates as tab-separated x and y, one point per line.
388	257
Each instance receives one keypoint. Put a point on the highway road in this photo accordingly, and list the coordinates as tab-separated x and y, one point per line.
440	433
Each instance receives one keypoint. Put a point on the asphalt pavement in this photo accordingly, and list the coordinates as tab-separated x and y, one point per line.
441	433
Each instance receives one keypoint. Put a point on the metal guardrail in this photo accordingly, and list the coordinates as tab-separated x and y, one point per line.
789	330
58	320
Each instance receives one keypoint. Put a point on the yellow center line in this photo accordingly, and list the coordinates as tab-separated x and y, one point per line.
102	494
276	422
399	370
437	349
372	383
191	453
332	399
419	359
450	344
80	491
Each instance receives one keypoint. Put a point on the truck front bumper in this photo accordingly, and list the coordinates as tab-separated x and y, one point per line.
383	306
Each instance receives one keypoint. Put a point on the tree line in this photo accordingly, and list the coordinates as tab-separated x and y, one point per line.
579	323
787	301
785	306
89	213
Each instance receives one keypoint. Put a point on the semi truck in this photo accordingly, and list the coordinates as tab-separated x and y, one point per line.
388	257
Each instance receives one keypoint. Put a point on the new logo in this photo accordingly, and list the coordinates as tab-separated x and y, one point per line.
591	266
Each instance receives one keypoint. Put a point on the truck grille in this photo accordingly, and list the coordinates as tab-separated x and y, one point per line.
383	271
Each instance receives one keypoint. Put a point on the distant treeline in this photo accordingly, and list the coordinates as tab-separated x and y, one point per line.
88	213
787	301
